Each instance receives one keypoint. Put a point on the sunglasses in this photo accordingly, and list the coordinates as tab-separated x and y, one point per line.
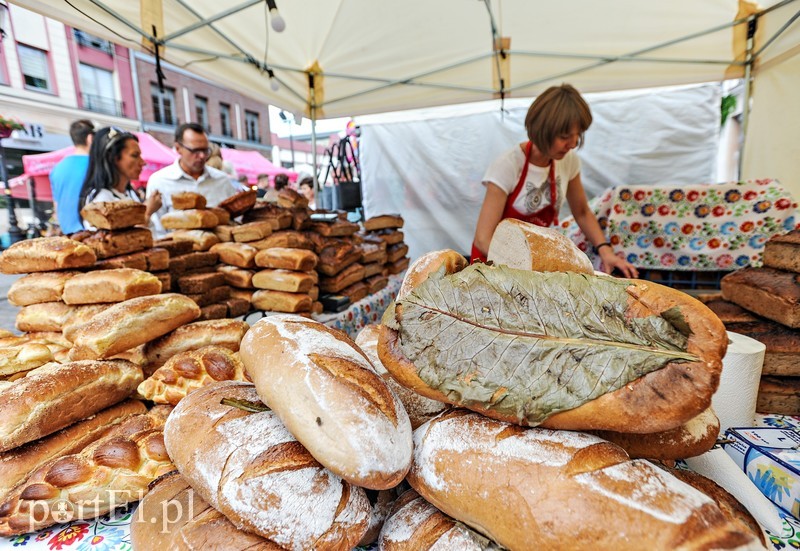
196	150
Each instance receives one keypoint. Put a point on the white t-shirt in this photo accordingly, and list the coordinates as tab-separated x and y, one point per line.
112	195
505	171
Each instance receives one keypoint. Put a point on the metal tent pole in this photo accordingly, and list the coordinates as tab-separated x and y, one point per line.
752	23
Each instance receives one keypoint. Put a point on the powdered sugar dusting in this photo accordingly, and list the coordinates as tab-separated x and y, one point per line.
478	436
647	489
510	246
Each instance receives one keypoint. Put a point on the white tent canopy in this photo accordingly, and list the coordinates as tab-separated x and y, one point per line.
352	57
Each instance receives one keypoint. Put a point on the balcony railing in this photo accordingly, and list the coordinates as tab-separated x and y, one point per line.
89	41
100	104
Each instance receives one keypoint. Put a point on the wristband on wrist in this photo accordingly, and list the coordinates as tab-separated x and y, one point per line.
601	245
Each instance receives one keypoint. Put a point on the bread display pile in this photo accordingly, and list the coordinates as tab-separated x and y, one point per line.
764	304
386	227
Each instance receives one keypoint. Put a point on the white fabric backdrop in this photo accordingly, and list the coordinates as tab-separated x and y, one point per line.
427	164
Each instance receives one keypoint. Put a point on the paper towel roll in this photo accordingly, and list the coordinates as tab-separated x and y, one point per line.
717	465
735	399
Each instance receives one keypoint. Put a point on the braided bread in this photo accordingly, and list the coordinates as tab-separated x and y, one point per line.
189	371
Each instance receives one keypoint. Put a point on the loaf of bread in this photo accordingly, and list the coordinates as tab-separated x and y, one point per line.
115	215
226	333
290	198
419	408
237	307
396	252
109	243
188	371
108	473
212	296
241	255
527	246
200	283
251	231
350	421
237	277
38	287
201	240
498	322
280	301
250	468
337	228
372	252
22	358
243	294
355	291
174	247
173	516
782	356
56	395
383	221
783	252
286	259
191	219
239	203
223	216
186	200
334	259
346	277
373	269
728	312
398	266
286	238
414	524
213	312
137	261
131	323
519	487
691	439
110	286
768	292
375	283
779	395
80	315
283	280
15	464
48	338
389	236
45	254
45	316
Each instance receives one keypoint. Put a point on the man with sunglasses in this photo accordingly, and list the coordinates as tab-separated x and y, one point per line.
189	173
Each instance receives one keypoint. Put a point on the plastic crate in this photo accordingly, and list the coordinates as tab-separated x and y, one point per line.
684	279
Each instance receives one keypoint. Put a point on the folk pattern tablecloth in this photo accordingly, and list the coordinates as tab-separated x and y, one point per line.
364	312
705	227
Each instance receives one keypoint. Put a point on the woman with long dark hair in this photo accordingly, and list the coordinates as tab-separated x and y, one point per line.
115	159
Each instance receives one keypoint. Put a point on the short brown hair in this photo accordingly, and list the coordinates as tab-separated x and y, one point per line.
555	112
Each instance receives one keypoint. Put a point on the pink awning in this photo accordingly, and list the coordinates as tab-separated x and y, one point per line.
253	163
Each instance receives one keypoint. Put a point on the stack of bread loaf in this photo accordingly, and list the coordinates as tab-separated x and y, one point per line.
764	304
386	227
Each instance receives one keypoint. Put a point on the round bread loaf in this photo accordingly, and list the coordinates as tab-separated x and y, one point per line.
525	488
250	468
349	420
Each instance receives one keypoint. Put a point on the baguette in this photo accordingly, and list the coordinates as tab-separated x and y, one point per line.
37	288
526	246
45	254
115	215
108	473
196	525
523	487
351	422
110	286
241	255
15	464
188	200
56	395
79	316
45	316
250	468
283	280
226	333
287	259
660	400
188	371
192	219
131	323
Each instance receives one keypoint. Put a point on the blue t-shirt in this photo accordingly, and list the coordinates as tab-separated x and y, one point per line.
66	180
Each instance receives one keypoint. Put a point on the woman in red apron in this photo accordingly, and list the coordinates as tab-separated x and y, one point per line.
549	173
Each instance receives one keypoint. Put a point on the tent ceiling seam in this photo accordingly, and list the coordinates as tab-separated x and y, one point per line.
203	22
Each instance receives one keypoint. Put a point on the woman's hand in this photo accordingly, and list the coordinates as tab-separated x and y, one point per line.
152	204
612	261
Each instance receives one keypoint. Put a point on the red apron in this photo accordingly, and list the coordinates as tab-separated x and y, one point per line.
545	217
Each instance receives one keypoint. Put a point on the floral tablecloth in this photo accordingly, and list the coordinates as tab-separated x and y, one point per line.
112	531
705	227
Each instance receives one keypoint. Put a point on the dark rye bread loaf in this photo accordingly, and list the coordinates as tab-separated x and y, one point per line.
783	252
768	292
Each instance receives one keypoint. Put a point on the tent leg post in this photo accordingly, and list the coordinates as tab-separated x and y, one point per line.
752	23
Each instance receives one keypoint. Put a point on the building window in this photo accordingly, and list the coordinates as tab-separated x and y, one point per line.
252	126
35	69
97	90
225	119
90	41
163	105
201	112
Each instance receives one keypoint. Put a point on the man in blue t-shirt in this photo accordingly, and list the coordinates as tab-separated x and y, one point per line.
66	178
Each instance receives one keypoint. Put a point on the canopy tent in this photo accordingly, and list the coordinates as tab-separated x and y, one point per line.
352	57
37	167
253	163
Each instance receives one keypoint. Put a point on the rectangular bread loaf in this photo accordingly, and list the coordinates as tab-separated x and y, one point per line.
110	286
38	287
213	312
397	266
241	255
212	296
782	356
280	301
783	252
200	283
186	200
137	261
200	259
768	292
383	221
223	216
191	219
286	259
251	231
345	278
157	259
289	198
44	316
338	228
224	232
115	215
373	268
779	395
286	238
356	291
283	280
237	277
46	254
396	252
333	260
174	247
244	294
389	236
166	281
108	243
201	240
376	282
237	307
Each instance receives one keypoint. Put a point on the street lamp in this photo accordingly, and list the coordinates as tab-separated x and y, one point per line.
14	232
285	118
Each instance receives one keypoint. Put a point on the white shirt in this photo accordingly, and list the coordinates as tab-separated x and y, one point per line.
213	184
504	172
112	195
